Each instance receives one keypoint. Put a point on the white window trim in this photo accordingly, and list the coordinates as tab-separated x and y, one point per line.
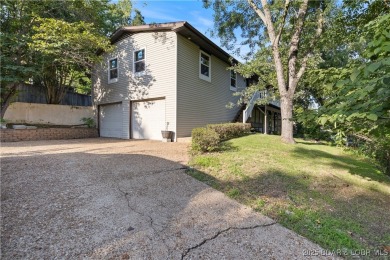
200	67
117	68
230	81
142	72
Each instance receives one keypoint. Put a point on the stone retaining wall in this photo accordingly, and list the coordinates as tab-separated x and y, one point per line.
16	135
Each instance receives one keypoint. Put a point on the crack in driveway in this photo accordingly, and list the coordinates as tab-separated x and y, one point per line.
152	224
151	221
221	232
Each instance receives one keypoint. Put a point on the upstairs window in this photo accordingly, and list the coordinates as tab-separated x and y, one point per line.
113	70
139	61
233	80
205	66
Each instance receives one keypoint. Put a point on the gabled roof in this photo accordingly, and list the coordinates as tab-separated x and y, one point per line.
183	28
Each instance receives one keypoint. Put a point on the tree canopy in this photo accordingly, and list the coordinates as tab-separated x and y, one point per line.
285	35
54	42
328	59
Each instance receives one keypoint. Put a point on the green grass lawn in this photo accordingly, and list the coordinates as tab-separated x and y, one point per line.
336	199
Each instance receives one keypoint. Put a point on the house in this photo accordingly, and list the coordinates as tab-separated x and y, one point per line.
165	76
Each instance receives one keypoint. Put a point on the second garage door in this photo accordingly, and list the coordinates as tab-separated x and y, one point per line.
148	119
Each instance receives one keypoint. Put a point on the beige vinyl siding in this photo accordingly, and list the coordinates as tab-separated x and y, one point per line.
159	81
200	102
103	92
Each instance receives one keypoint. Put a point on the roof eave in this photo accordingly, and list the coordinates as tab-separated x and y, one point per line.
183	28
145	28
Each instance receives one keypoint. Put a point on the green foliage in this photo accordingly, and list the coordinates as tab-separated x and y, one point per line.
344	48
138	19
49	48
205	139
206	161
283	38
362	102
65	52
230	130
209	138
90	122
123	11
233	193
55	37
379	149
82	82
376	147
308	126
339	138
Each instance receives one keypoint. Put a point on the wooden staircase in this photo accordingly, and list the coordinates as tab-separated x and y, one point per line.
246	110
239	115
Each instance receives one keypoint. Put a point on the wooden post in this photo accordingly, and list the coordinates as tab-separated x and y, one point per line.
265	120
273	121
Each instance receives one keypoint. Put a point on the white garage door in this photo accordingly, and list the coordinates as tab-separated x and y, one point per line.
148	119
110	120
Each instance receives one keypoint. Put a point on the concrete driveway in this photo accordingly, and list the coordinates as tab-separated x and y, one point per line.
107	198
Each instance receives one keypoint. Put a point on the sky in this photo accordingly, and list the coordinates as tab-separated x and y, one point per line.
192	11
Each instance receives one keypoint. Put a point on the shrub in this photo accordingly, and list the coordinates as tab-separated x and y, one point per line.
375	147
205	139
90	122
382	154
378	149
230	130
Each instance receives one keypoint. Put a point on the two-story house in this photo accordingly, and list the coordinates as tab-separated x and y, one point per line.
163	77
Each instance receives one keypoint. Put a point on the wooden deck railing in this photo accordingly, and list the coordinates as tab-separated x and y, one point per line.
257	95
249	107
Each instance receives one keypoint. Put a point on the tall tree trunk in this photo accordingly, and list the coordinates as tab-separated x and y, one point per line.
285	92
7	94
286	107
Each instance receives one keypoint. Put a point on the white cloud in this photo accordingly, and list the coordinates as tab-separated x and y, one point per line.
158	15
205	22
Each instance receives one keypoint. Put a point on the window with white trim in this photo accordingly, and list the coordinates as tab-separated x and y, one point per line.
233	80
205	66
139	61
113	70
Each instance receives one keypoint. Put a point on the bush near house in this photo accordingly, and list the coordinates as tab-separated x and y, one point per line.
207	139
204	139
230	130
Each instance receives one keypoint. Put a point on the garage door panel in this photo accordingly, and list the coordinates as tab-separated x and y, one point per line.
110	120
148	119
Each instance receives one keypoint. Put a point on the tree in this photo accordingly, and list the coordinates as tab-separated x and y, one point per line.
343	46
15	66
20	62
62	49
288	32
361	103
138	18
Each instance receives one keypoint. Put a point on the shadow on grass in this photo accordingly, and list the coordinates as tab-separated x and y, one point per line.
311	143
227	146
316	212
354	166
